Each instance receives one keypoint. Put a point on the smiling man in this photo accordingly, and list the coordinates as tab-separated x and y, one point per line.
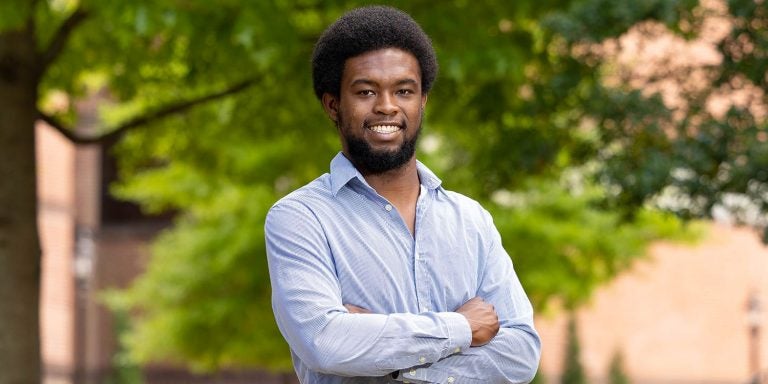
379	274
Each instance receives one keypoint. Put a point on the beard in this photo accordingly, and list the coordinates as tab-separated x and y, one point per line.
371	161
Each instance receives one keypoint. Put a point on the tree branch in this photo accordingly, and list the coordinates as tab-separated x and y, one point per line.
61	36
30	24
139	121
68	132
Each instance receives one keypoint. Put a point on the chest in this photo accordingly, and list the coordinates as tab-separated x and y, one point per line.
382	267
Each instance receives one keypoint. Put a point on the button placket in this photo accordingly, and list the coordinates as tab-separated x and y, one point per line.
421	274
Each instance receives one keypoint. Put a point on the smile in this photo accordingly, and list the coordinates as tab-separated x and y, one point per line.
384	128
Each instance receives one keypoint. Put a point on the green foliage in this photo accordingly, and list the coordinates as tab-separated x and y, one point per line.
565	246
616	374
568	167
573	371
596	20
13	13
539	378
124	369
744	49
247	151
682	158
206	293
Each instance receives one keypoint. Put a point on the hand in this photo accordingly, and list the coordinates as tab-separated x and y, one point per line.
482	319
355	309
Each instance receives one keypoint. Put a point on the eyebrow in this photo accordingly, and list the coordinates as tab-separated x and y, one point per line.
371	82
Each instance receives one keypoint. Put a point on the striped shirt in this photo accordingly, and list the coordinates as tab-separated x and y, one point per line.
336	241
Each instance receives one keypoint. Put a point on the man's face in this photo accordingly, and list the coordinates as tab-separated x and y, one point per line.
379	109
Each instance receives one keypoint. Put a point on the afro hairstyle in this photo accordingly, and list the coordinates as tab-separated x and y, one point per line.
368	29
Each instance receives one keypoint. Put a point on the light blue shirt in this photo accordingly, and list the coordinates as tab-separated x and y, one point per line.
336	241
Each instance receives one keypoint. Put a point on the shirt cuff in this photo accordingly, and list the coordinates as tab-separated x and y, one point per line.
431	375
459	332
459	338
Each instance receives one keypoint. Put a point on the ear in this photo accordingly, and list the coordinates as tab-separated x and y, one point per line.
331	106
423	100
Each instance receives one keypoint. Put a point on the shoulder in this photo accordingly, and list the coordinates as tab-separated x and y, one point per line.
465	204
457	207
302	201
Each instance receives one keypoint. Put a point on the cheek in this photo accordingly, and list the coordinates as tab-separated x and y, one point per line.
353	112
416	113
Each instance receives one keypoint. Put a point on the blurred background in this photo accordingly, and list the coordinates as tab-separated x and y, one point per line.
621	147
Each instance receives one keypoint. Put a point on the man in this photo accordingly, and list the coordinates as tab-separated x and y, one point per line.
379	274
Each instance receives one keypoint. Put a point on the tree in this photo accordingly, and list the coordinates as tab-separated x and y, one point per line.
616	373
499	128
699	149
155	60
573	371
498	124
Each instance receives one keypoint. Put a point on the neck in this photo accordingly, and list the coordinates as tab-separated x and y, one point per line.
400	186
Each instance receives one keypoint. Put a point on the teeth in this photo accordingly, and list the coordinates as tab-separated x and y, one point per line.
384	128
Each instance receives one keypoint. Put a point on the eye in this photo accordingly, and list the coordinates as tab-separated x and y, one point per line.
405	92
365	92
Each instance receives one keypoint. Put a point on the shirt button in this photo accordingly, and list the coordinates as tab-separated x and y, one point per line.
422	359
412	372
451	379
388	207
457	350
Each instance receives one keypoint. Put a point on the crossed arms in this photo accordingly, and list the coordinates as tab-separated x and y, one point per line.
482	319
488	339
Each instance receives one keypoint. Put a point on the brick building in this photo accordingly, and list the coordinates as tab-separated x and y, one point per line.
685	314
679	316
92	242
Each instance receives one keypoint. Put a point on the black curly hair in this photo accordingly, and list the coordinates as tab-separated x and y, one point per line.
367	29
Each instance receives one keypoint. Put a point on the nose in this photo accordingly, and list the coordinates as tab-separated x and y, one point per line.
385	104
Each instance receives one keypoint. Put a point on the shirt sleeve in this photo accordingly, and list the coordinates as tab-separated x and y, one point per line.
512	356
306	300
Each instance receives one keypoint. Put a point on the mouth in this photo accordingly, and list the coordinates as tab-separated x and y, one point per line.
384	128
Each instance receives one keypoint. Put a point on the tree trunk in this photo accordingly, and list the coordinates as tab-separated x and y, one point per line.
19	244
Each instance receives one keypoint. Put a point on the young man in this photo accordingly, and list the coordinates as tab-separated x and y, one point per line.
380	275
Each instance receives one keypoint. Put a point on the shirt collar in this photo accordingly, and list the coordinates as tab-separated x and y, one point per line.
342	172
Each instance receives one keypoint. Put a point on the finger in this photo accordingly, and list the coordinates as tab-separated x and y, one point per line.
355	309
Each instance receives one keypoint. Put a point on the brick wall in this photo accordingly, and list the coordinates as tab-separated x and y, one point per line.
679	316
55	158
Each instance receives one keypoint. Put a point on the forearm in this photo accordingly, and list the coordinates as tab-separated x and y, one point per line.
375	345
511	357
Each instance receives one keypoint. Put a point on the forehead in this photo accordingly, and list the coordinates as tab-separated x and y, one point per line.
382	65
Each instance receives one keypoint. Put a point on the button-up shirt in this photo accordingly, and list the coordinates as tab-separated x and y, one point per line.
336	241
